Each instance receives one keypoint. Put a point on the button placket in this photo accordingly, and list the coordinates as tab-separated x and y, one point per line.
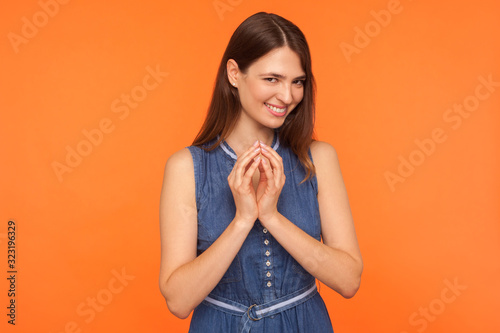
267	260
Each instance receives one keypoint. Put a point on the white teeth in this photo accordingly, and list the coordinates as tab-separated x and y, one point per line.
275	109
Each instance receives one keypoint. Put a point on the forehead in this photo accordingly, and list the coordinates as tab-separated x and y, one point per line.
281	61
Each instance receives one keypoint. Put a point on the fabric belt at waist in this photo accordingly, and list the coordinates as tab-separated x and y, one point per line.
258	311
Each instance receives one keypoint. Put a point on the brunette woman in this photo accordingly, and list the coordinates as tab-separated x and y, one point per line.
256	210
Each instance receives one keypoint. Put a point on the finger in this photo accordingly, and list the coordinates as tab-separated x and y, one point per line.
268	173
241	159
244	162
262	170
276	164
249	151
270	150
274	159
247	178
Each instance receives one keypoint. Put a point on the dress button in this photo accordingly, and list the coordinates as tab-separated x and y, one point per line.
268	263
264	230
268	253
268	274
269	283
266	242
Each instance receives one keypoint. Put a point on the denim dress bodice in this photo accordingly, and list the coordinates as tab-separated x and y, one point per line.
263	270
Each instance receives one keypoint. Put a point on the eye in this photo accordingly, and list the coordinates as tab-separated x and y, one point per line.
299	82
271	79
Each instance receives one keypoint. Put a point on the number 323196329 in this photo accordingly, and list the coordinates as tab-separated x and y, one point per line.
11	246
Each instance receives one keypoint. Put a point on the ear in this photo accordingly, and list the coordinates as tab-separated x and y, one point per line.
233	72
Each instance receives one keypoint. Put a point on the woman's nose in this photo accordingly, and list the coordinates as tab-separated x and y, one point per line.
285	93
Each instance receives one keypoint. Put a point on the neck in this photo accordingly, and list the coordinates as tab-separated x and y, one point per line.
244	135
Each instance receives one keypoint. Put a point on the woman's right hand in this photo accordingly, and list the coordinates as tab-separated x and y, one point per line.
240	183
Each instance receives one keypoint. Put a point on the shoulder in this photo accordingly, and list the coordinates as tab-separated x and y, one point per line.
178	179
323	153
179	166
180	160
327	165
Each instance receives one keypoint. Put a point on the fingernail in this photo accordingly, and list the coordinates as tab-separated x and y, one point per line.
257	159
264	149
256	143
263	144
257	150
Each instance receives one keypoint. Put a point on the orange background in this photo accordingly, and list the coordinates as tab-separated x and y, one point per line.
76	231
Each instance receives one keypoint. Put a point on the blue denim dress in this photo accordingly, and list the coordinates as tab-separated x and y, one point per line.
265	289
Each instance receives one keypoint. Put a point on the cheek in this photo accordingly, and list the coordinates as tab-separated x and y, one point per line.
259	92
298	95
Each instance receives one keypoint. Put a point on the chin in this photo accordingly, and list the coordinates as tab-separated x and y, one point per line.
275	124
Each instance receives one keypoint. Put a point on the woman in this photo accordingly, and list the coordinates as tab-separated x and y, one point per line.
247	221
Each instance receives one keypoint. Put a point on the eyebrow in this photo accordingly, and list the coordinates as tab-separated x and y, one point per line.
281	76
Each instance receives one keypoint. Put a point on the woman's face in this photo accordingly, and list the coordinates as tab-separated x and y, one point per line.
271	87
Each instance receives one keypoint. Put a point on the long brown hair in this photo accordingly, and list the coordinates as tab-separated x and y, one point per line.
255	37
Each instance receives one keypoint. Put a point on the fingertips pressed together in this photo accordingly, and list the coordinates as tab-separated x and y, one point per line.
276	164
243	161
272	156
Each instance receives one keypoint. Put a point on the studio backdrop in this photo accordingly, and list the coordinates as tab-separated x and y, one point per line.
96	95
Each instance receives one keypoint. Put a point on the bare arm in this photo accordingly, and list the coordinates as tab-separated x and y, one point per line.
185	279
337	261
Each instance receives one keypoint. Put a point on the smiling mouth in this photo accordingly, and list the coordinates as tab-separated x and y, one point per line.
275	109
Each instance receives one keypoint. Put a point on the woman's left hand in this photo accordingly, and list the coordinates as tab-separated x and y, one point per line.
272	179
